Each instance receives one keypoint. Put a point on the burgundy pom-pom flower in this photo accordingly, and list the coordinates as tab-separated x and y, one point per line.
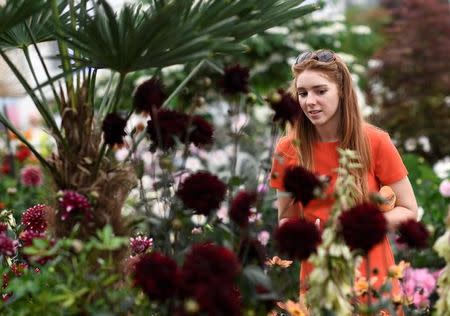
202	131
31	176
34	218
235	79
150	94
27	237
157	275
413	233
172	125
3	228
216	298
140	244
73	203
113	128
363	226
207	261
8	246
240	207
297	238
286	108
302	184
202	192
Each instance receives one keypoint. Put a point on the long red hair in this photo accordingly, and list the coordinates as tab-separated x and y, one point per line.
351	123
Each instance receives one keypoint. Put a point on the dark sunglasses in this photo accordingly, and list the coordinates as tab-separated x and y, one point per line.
324	56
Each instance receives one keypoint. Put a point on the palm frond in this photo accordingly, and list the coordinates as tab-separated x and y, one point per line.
172	32
15	12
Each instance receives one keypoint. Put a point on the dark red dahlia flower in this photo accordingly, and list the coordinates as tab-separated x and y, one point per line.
297	238
207	261
217	298
171	124
302	184
157	275
235	79
413	233
286	108
202	132
150	94
34	218
251	251
240	207
113	128
73	203
202	192
363	226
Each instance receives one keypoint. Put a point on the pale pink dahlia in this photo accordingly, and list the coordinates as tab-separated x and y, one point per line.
72	202
31	176
34	218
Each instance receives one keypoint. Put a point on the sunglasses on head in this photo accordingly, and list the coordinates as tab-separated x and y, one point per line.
325	56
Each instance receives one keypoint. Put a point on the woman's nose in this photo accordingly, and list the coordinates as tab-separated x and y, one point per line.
310	99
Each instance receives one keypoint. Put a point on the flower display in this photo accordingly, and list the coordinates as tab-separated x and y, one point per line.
297	238
205	185
363	226
31	176
413	233
301	184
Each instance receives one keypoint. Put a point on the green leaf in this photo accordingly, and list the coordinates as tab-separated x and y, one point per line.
15	12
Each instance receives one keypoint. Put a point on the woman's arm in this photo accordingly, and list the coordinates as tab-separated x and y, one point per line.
405	206
286	207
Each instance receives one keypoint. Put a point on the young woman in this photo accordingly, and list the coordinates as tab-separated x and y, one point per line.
331	118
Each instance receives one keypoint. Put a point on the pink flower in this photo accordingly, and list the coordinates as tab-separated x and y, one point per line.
72	203
140	244
263	237
31	176
444	188
34	218
8	247
419	284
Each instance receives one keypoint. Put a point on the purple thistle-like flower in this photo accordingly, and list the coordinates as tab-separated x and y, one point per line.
71	203
8	246
34	218
113	128
140	244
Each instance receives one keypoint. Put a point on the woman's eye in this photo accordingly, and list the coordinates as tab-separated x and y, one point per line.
302	94
322	92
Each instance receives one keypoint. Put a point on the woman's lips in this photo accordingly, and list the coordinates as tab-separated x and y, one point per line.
315	113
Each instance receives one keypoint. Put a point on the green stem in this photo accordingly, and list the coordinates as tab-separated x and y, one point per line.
33	73
184	82
117	94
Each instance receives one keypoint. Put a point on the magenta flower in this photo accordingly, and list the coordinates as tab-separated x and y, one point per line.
444	188
34	218
71	203
140	244
8	246
419	284
31	176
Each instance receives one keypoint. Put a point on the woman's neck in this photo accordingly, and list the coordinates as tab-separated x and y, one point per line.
327	133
